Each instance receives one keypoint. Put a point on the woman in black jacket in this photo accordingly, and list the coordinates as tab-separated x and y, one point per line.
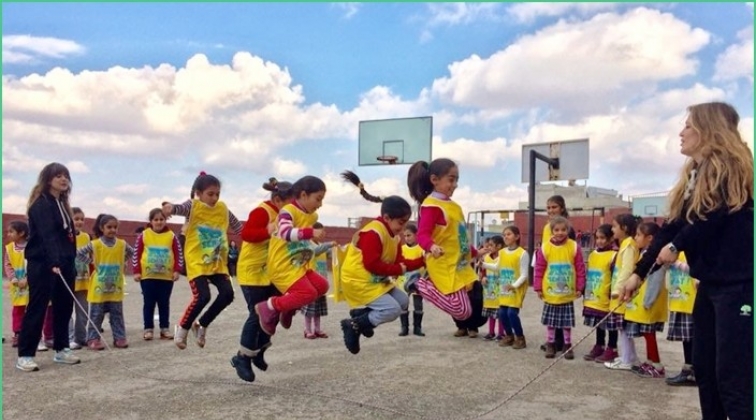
711	219
50	253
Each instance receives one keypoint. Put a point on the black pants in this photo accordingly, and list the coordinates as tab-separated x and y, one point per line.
46	286
201	297
156	292
723	350
252	336
477	319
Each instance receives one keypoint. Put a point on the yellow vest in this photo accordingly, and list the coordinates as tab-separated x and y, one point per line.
491	290
82	268
359	286
599	280
559	278
337	261
546	235
19	297
157	259
635	312
321	264
289	261
106	283
410	253
509	272
206	246
250	270
682	289
627	245
452	271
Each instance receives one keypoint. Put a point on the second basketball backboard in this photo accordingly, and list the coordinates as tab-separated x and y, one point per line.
408	140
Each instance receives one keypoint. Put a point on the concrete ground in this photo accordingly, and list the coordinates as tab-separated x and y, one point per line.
438	376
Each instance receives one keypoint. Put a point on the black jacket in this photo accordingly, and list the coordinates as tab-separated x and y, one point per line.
49	241
718	249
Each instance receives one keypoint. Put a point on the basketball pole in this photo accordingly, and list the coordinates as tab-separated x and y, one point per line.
553	163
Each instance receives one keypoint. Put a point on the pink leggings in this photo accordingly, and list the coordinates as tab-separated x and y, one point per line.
456	304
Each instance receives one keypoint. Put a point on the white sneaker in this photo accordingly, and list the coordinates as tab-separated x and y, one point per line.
66	357
199	334
74	345
41	346
27	364
179	337
618	365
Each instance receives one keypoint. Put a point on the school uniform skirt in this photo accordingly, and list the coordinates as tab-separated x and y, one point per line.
634	329
317	308
680	327
558	316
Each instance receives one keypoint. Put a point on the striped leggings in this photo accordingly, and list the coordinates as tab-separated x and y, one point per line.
456	304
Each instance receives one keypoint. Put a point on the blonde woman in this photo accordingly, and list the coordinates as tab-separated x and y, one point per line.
711	219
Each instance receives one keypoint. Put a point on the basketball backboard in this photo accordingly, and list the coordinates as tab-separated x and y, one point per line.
573	160
407	139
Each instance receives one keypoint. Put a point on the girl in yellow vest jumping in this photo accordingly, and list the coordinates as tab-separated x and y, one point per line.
411	251
491	286
290	256
109	256
682	293
559	279
452	285
373	260
77	330
205	256
596	297
624	227
157	263
513	279
14	267
253	278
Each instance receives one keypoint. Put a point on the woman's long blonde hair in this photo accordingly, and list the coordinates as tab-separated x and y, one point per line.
725	174
46	176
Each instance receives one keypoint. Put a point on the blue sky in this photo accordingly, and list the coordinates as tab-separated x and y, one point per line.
137	98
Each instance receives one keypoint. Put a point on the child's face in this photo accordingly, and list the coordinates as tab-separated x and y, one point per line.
209	196
410	238
110	229
78	221
397	225
601	240
312	202
559	232
510	239
13	235
617	231
158	222
553	209
642	241
488	245
447	183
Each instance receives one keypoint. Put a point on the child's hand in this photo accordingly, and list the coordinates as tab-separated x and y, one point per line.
23	283
14	281
540	294
436	251
318	234
176	275
578	293
167	210
509	288
137	277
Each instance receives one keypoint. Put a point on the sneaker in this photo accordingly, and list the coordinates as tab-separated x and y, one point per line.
268	318
95	344
243	366
179	337
608	356
686	377
49	343
507	341
165	334
148	335
595	352
27	364
617	364
121	343
286	319
74	345
66	357
41	346
648	370
489	337
199	334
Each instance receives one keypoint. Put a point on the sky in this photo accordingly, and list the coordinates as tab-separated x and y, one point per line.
137	99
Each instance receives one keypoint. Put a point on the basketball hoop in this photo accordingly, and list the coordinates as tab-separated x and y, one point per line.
391	160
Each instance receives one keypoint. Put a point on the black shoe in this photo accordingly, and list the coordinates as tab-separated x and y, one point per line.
404	319
356	313
417	322
259	359
243	365
685	378
351	335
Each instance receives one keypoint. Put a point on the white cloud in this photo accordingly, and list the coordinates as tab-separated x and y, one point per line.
19	49
479	153
288	169
349	9
9	184
453	14
77	167
528	12
568	65
132	189
737	60
746	131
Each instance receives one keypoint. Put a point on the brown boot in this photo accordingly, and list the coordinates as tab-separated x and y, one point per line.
461	333
569	355
507	341
550	351
519	342
472	333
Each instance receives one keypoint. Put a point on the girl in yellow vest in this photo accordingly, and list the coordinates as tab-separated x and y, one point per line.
253	278
452	285
513	278
156	265
290	256
14	267
646	312
205	256
109	256
596	297
315	310
624	227
77	330
682	293
411	251
559	279
491	286
373	260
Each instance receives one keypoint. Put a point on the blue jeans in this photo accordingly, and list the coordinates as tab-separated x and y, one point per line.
97	313
156	293
510	319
